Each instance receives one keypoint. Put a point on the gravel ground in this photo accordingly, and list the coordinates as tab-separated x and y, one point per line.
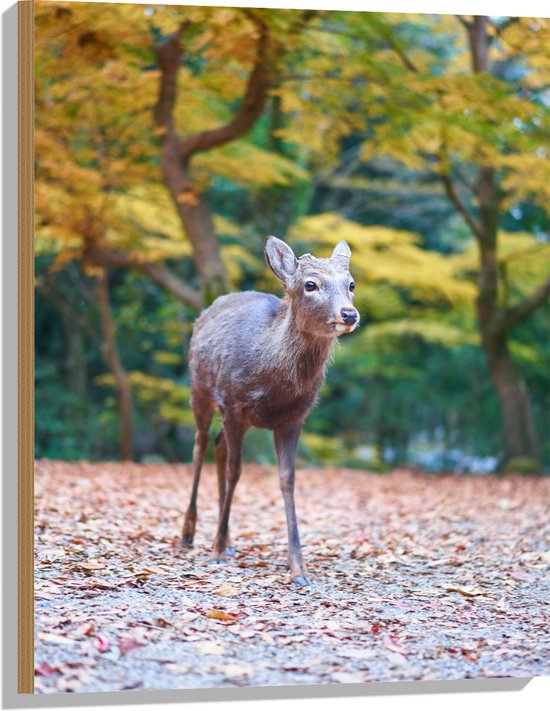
413	577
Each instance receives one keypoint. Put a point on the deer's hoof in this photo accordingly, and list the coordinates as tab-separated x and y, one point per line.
301	580
218	557
186	541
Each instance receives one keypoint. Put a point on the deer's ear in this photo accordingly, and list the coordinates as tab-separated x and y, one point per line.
342	253
280	259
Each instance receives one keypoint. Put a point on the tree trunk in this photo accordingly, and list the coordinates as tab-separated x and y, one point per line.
112	358
197	222
75	357
517	419
177	151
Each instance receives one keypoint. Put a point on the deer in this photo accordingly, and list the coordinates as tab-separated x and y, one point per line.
260	360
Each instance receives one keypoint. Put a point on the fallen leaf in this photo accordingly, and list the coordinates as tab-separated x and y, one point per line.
469	654
45	669
85	629
161	622
221	615
89	567
178	668
467	590
227	591
127	644
209	648
237	670
393	645
69	686
102	644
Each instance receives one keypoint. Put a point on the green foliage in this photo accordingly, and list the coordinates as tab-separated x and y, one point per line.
521	465
365	113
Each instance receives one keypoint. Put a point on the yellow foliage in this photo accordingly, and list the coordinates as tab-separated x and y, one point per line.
430	331
248	165
236	259
168	358
167	399
324	449
382	254
527	176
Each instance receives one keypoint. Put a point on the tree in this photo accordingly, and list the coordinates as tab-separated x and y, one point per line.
98	171
480	130
171	140
496	319
176	153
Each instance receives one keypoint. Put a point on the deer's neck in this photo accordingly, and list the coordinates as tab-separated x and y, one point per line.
294	354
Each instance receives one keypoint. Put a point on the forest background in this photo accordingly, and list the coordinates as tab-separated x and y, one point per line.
170	141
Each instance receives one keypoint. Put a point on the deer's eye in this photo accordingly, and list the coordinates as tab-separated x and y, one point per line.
352	286
311	286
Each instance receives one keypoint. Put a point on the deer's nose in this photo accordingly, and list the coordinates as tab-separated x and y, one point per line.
349	316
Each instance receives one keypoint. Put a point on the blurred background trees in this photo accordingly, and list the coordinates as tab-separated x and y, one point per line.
170	141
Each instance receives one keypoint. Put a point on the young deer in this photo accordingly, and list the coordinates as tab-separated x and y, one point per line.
261	361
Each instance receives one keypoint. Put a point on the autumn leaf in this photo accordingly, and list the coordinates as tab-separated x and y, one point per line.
221	615
209	648
128	644
469	654
178	668
227	591
90	567
347	624
101	643
466	590
86	629
393	645
236	670
45	669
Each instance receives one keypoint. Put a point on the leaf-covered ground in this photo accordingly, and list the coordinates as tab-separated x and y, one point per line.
414	577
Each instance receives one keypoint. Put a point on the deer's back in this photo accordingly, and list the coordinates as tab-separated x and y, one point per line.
226	336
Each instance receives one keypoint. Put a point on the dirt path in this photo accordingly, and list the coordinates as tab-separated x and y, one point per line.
414	577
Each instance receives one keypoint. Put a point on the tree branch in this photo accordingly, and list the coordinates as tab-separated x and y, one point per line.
160	275
251	106
499	29
463	22
511	317
406	61
169	55
457	201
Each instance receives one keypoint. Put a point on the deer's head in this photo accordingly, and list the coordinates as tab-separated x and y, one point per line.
320	290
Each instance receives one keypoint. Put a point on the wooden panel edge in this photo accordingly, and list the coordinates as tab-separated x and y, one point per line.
25	346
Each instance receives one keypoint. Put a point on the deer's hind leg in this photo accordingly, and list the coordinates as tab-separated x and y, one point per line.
234	428
203	409
221	466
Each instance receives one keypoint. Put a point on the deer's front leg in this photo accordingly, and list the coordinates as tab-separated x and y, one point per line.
286	443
